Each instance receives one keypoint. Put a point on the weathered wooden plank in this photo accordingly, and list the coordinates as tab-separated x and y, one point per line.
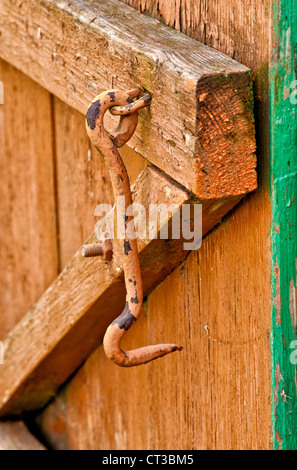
223	399
69	320
199	129
239	29
14	435
28	247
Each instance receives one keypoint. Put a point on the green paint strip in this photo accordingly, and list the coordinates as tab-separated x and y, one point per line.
283	143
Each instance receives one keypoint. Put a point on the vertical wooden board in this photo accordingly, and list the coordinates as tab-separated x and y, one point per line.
14	435
219	394
28	244
283	130
82	179
216	393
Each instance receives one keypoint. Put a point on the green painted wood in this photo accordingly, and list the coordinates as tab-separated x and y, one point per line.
283	151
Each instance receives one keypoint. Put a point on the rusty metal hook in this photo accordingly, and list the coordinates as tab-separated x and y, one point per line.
121	103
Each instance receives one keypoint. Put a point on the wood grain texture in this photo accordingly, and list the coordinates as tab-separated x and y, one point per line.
82	180
200	127
70	319
15	436
28	243
239	29
216	393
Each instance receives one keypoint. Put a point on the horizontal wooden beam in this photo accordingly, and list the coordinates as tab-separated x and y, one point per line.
69	320
14	435
199	128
